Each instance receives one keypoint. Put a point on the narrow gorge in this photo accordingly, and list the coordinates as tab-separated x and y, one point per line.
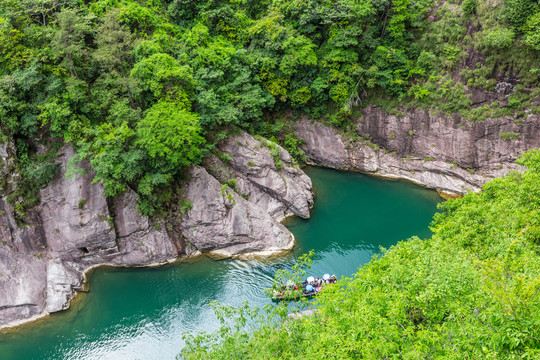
233	207
157	154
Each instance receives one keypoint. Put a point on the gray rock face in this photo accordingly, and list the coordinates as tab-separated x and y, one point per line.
23	284
41	266
326	147
62	279
76	228
281	192
225	224
139	241
479	146
75	217
432	151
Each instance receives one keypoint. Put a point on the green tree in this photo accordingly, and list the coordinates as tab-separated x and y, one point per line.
498	38
516	12
114	51
469	6
68	43
532	31
41	11
13	52
163	77
112	156
171	136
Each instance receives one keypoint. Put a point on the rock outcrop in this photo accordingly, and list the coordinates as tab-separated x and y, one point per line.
75	227
224	224
434	151
42	265
139	241
74	216
23	281
281	192
481	146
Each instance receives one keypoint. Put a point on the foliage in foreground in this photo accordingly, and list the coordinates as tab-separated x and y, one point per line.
470	292
294	276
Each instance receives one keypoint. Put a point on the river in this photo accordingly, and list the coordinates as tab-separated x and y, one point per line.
141	313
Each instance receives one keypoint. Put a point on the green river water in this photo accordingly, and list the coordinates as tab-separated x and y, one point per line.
141	313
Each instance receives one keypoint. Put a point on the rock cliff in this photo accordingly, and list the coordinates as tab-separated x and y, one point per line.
225	224
75	227
443	153
280	192
233	204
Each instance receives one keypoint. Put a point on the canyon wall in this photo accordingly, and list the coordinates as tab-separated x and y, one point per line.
447	154
232	204
75	228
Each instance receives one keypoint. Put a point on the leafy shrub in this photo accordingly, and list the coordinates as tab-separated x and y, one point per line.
185	205
81	203
426	60
232	184
340	118
498	38
292	145
418	92
513	102
469	6
516	12
508	136
532	31
42	173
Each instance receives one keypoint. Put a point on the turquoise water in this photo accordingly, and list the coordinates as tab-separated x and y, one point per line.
141	313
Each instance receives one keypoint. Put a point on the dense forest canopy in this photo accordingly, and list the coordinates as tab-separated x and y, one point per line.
144	88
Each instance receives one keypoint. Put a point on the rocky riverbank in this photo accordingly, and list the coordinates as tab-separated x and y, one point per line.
232	205
75	228
447	154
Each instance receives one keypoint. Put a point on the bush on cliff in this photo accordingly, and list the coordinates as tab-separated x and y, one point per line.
472	291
